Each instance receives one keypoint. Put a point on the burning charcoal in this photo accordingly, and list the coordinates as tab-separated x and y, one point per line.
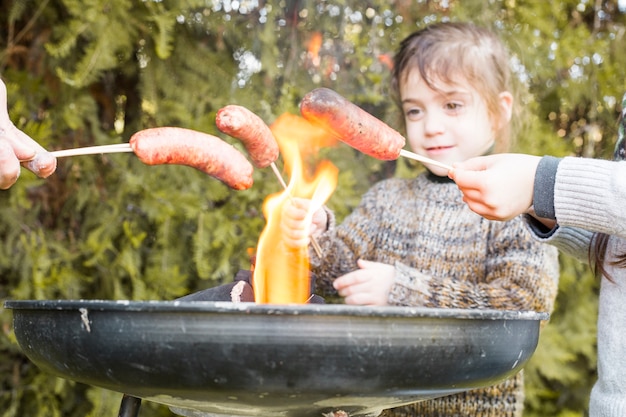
239	291
316	299
243	293
338	413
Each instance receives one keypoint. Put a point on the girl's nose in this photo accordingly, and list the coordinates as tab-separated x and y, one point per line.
433	124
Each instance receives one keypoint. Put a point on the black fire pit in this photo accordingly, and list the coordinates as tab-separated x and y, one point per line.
246	359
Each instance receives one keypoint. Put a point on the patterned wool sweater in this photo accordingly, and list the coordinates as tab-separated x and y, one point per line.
445	256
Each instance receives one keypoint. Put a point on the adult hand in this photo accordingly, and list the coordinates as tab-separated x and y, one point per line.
498	187
298	224
368	285
17	148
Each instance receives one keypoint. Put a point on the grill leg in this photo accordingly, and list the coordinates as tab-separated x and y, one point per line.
130	406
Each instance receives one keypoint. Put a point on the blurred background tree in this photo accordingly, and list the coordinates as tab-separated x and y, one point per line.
93	72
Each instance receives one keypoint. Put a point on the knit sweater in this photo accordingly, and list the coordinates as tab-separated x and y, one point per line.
445	256
590	196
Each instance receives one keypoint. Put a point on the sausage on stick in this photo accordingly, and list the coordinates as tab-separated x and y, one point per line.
207	153
351	124
356	127
243	124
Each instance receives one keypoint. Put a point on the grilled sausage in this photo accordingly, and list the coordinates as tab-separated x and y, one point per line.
243	124
207	153
351	124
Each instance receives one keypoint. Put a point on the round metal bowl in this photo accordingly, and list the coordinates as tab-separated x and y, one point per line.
246	359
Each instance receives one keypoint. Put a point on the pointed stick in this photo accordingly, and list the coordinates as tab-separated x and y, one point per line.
316	246
423	159
91	150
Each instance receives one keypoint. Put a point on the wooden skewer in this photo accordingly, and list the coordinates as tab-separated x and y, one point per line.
91	150
424	160
280	177
316	246
125	147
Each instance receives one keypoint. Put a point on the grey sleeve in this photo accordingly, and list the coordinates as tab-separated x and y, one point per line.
570	240
543	192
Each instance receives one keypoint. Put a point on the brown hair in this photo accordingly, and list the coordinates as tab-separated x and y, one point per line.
444	51
597	256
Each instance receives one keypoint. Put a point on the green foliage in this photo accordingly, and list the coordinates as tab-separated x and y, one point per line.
93	72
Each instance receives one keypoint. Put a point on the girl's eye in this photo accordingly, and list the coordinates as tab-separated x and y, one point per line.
413	113
455	107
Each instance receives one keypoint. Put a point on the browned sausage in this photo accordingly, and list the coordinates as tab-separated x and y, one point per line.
243	124
207	153
351	124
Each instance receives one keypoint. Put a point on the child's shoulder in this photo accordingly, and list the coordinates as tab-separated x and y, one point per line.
421	187
423	181
392	185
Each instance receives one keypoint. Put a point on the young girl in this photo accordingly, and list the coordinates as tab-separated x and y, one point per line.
578	206
413	242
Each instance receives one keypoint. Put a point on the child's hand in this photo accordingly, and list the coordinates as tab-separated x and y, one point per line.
298	224
498	187
368	285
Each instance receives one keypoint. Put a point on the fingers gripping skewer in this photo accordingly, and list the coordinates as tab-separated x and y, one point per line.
314	243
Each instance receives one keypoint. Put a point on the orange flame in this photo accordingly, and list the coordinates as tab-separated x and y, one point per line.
281	274
386	59
314	47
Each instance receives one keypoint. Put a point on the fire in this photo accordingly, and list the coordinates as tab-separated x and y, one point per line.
281	274
386	59
314	46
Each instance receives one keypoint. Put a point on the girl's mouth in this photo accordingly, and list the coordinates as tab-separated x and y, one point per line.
436	150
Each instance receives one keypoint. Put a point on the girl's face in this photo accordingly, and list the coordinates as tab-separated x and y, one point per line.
450	124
